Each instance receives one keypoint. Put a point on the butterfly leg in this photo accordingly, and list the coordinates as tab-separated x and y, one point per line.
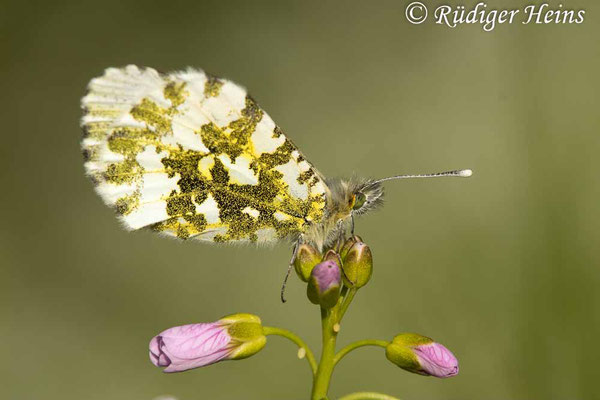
291	264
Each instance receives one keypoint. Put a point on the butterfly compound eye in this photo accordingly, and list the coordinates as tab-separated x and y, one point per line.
359	201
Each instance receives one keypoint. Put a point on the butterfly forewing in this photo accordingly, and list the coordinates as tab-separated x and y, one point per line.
194	156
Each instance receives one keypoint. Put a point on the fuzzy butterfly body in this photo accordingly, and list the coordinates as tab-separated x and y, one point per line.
193	156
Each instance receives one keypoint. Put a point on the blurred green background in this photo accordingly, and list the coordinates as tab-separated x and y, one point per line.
502	268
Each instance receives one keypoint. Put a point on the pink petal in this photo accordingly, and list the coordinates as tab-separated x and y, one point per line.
437	360
193	341
190	346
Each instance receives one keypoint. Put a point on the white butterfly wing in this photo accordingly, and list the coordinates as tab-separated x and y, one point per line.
192	155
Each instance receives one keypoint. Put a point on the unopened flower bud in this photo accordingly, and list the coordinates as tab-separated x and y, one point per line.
306	259
358	265
348	244
421	355
191	346
331	255
324	284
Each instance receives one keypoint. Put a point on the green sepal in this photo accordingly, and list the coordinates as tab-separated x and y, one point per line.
357	265
348	244
400	351
306	259
327	299
247	335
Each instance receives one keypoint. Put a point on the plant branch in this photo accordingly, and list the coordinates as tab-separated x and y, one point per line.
268	330
347	300
356	345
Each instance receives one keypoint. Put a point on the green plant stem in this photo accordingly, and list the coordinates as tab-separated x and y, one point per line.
368	396
269	330
329	318
346	303
356	345
325	369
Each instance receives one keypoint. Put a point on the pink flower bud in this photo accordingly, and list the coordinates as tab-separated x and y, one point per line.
436	360
197	345
324	284
421	355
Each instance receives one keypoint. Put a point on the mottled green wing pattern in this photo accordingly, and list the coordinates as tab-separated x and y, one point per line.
193	156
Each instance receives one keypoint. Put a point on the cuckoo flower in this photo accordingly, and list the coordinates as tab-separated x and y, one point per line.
196	345
324	284
421	355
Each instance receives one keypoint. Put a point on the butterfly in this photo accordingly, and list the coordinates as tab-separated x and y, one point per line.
193	156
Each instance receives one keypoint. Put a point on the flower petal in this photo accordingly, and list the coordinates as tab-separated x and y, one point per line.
194	340
436	360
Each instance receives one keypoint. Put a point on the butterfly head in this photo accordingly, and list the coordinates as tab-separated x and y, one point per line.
365	197
356	197
353	197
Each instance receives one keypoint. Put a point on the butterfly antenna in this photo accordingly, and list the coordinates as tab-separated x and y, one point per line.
460	173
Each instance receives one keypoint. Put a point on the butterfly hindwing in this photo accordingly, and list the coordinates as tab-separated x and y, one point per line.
194	156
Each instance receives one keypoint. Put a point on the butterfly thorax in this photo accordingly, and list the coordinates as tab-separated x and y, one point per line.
345	198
